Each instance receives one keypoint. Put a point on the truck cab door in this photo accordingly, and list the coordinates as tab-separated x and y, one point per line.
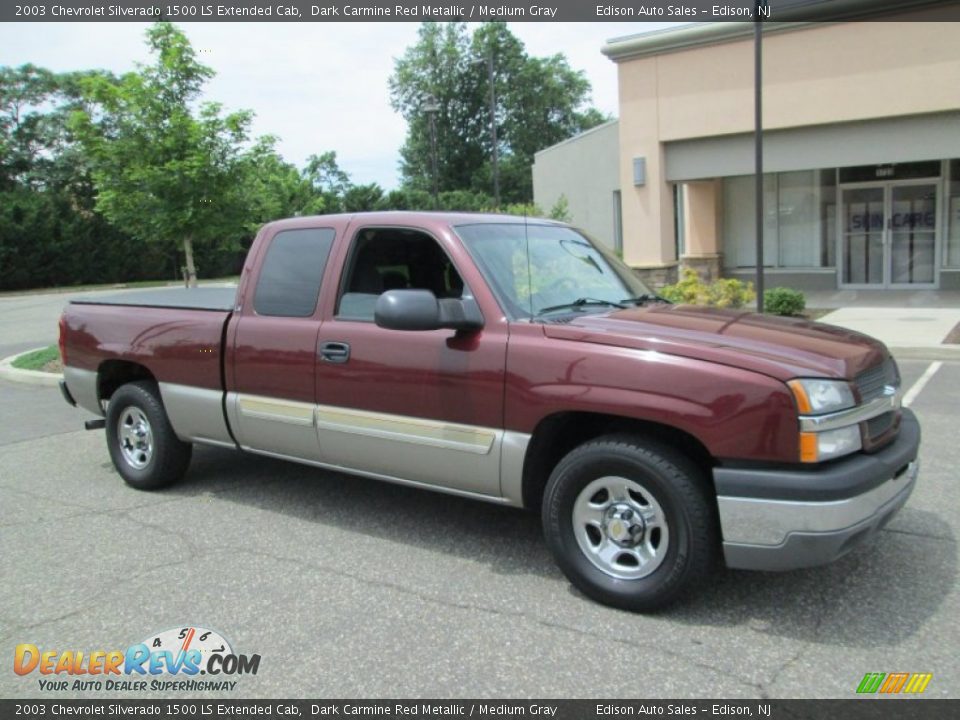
423	408
271	371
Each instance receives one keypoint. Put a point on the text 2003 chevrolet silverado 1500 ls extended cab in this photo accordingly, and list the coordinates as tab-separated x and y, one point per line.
518	362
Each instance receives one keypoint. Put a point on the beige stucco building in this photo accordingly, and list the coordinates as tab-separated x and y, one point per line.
861	152
589	163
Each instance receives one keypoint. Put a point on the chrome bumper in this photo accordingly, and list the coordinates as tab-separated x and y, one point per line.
819	516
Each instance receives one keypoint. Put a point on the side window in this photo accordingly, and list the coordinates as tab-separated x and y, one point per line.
289	281
394	259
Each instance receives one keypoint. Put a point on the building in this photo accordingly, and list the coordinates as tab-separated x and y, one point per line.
588	163
861	153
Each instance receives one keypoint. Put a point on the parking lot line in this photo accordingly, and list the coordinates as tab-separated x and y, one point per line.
921	383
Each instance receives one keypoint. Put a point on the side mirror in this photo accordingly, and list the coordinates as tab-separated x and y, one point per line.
420	310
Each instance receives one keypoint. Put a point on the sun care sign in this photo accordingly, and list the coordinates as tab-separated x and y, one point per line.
167	661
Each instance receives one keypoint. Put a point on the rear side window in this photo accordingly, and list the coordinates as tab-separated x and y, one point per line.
289	280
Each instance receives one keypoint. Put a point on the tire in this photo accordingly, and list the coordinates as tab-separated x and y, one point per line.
654	533
143	446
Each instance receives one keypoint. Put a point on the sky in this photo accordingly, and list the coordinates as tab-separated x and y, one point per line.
316	86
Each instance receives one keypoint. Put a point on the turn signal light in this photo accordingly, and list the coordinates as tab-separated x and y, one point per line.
800	395
808	447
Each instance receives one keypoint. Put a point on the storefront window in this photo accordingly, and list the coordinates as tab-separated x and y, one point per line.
828	218
797	219
739	221
952	254
799	214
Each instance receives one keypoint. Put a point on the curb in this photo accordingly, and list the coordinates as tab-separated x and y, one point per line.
950	353
29	377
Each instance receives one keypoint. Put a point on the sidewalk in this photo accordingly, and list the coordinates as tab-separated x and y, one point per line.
911	321
945	299
901	327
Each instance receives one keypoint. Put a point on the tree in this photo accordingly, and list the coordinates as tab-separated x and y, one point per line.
327	183
167	171
439	64
362	198
273	187
49	232
538	102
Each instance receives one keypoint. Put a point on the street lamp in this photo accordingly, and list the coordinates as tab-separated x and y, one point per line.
493	126
493	130
758	140
431	107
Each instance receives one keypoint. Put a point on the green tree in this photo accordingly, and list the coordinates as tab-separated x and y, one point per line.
538	102
362	198
22	126
167	170
439	65
49	232
327	183
273	187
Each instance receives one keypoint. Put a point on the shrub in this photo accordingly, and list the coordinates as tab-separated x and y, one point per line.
561	210
724	293
784	301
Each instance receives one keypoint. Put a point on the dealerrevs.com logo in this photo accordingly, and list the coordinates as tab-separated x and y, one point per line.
168	661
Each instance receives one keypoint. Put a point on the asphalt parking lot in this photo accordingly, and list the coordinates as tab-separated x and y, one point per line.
348	587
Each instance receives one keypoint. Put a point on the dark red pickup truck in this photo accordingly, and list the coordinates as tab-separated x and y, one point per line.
518	362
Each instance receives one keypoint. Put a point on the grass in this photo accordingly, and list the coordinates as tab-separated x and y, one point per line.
47	360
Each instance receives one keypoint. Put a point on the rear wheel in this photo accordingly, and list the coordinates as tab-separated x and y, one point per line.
631	523
143	446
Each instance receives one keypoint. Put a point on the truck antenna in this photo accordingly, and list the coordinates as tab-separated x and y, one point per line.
526	242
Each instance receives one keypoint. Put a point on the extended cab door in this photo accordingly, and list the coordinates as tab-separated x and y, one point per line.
423	407
271	374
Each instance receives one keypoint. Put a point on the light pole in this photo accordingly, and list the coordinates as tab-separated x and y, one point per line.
758	139
495	153
431	107
493	130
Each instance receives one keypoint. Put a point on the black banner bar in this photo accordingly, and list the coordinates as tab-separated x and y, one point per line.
866	709
511	10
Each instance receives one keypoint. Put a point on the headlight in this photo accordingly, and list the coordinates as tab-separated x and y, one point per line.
820	446
816	397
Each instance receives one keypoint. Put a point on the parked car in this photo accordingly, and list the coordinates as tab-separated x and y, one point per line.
519	362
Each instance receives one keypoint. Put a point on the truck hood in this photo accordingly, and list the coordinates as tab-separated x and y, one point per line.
783	348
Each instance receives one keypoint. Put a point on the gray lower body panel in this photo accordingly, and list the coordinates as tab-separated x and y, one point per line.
82	386
468	460
196	414
823	532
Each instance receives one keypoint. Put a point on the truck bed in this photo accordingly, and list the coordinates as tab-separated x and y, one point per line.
221	299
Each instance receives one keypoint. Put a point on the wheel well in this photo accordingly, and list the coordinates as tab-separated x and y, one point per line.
557	435
114	373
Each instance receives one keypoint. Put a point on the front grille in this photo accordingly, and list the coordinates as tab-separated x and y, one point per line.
880	424
871	385
871	382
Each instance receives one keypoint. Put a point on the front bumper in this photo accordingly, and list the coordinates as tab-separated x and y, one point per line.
783	520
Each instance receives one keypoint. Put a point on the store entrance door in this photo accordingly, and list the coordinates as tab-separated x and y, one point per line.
888	235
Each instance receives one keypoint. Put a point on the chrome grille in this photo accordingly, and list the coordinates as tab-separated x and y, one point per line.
871	382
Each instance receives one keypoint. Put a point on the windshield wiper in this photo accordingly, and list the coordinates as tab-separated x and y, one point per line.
579	303
645	298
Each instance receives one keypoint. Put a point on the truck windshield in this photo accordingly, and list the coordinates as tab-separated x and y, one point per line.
542	270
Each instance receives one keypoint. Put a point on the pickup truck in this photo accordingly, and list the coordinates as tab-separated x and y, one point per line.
519	362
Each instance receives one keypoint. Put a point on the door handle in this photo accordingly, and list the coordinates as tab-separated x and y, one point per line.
335	352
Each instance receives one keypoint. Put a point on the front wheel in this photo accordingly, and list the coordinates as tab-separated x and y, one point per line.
631	523
143	446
